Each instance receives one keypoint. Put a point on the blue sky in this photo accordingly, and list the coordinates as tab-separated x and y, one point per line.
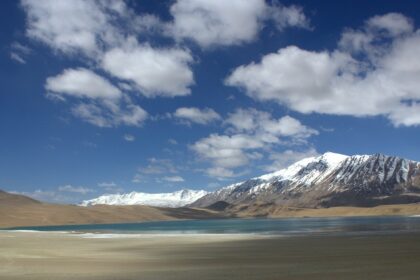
154	96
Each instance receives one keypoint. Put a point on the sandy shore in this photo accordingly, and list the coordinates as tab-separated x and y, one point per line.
33	255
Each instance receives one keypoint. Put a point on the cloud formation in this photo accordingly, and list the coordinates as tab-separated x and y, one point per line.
377	64
104	34
195	115
82	83
249	135
99	102
153	71
225	23
73	27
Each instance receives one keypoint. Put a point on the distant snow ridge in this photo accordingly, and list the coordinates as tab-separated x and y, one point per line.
174	199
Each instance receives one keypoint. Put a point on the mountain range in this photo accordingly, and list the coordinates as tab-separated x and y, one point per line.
174	199
328	180
323	181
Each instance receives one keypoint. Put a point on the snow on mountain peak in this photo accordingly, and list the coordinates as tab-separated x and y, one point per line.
175	199
332	159
329	159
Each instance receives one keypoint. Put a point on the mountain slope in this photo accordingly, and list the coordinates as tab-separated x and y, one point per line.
174	199
18	210
329	180
15	199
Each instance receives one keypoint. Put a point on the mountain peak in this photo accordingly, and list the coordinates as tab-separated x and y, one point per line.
329	179
333	156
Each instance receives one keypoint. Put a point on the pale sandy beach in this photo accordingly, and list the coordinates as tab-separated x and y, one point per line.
34	255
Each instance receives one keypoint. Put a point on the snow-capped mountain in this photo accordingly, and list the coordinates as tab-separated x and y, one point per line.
329	180
174	199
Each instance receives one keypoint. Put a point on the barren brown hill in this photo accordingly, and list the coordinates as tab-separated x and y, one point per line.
17	210
275	211
15	199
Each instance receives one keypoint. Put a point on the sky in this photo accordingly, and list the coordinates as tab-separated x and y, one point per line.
155	96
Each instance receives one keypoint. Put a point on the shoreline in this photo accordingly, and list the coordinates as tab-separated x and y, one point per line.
53	214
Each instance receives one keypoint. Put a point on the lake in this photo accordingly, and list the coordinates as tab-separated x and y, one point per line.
283	226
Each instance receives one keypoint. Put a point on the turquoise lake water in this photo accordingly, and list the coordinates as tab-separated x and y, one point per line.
285	226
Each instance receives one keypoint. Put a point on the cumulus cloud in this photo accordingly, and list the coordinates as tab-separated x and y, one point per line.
71	27
224	23
377	64
100	103
249	135
260	123
82	82
154	71
196	115
394	24
104	34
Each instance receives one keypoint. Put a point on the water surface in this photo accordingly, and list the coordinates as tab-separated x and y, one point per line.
283	226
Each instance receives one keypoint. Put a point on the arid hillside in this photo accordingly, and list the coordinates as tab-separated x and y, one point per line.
19	210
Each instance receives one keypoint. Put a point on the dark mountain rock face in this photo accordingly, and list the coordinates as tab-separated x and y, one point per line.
329	180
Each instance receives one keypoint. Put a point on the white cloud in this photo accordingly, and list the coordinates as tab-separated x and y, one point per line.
196	115
82	82
224	23
284	159
105	33
220	172
156	72
226	151
129	137
250	134
173	179
386	80
74	189
109	114
260	123
73	26
285	16
102	104
394	24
